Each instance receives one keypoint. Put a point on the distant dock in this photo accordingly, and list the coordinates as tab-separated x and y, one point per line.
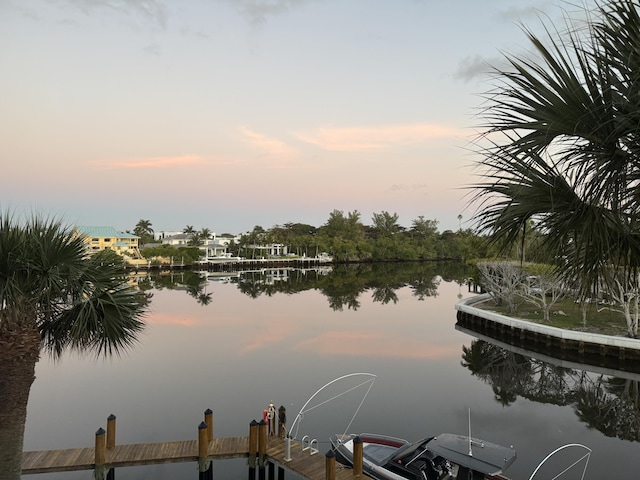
232	264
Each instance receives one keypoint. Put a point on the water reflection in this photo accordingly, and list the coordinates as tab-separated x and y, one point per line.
608	404
277	336
342	285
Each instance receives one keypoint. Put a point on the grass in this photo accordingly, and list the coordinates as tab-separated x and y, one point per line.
566	314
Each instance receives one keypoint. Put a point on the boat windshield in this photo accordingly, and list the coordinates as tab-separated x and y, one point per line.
405	454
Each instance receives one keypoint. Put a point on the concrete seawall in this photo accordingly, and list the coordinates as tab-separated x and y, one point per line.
620	353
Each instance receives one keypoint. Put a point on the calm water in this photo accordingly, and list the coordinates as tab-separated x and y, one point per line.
235	345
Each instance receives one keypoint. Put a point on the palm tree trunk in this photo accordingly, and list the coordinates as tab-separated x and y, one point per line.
19	352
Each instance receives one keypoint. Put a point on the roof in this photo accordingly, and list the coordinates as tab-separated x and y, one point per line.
103	232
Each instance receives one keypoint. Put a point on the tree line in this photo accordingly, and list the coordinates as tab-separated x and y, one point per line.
346	238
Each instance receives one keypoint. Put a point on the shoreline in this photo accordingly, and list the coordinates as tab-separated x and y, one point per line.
617	353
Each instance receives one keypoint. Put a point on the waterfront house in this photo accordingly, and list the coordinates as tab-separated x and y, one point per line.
98	238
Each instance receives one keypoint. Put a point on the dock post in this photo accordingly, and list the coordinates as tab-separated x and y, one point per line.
111	431
330	465
100	454
203	451
282	421
262	443
357	457
208	418
287	448
253	444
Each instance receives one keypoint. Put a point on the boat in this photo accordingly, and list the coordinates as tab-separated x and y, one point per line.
444	457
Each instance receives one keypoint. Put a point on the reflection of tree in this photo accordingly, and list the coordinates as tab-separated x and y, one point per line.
191	282
611	405
342	285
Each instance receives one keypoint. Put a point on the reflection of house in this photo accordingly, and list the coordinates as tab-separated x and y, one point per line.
108	238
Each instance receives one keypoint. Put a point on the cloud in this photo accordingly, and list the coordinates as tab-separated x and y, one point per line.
408	188
352	139
150	162
256	12
473	67
149	9
270	147
153	49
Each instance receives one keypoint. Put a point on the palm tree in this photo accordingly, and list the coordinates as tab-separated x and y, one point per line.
205	233
144	231
53	296
563	145
188	230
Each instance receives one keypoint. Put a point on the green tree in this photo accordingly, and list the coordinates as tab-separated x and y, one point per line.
188	230
53	296
144	231
386	224
205	233
563	146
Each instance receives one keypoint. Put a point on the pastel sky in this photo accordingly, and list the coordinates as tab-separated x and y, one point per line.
228	114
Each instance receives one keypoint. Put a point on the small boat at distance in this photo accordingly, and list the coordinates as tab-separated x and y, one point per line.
444	457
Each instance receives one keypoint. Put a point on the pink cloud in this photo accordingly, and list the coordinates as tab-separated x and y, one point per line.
375	138
271	147
150	162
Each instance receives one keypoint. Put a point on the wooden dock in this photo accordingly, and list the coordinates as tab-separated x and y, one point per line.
303	461
48	461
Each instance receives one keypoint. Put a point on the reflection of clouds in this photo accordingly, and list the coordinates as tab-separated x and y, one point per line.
263	337
356	344
169	319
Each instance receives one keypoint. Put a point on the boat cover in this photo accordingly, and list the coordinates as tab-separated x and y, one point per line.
486	458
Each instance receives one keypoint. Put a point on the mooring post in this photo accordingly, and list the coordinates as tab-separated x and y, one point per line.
282	421
253	444
208	418
111	431
203	447
100	452
287	448
330	466
357	457
100	455
262	443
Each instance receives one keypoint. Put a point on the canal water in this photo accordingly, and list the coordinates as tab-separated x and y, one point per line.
237	342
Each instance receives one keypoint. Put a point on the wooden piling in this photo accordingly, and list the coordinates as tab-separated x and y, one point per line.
111	432
357	457
253	443
262	443
203	448
282	421
203	444
330	466
100	448
208	419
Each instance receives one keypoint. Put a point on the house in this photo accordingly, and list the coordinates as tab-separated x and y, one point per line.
108	238
210	247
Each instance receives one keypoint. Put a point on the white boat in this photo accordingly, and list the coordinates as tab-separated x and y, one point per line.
444	457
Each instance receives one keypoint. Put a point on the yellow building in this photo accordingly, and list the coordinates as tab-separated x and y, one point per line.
108	238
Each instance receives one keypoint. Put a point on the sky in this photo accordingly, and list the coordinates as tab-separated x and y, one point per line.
228	114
